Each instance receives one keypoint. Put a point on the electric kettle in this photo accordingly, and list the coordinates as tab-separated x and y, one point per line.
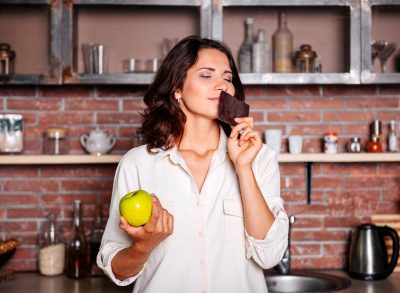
368	259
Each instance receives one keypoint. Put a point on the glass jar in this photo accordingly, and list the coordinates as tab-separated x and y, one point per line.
354	145
55	142
305	59
51	248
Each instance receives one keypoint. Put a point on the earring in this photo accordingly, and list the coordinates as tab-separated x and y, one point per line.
178	98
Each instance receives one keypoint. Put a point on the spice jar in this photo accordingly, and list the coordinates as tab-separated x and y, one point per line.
7	57
354	145
330	143
51	249
55	141
305	59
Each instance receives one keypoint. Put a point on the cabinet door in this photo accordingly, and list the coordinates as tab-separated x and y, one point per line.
380	41
332	29
31	28
129	30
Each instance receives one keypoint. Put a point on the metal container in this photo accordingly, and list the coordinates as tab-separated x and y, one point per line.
7	59
354	145
305	59
11	133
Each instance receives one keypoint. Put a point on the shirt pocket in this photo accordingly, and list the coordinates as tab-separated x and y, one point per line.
233	220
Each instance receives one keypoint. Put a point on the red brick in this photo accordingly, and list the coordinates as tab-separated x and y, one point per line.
127	131
22	265
308	222
318	262
292	169
294	116
118	118
90	104
65	91
372	102
316	103
81	185
343	222
31	185
294	90
389	115
389	89
294	182
79	171
308	209
389	167
257	115
391	194
360	130
388	207
34	105
120	91
373	181
353	169
318	235
327	182
17	91
24	226
25	238
49	119
133	105
18	199
349	90
267	103
67	199
18	171
107	171
305	249
26	213
255	91
25	252
340	116
2	212
1	103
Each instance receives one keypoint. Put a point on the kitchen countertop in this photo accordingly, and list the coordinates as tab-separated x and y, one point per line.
35	283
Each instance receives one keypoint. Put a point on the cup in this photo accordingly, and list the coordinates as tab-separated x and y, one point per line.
132	65
94	58
152	65
295	144
273	138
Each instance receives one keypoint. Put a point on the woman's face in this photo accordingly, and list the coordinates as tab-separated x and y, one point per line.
204	82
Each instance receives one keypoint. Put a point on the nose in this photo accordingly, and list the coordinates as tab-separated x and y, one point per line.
221	85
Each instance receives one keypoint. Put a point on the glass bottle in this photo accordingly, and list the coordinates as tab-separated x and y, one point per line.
95	240
374	146
392	137
51	248
376	130
282	42
245	51
260	53
76	247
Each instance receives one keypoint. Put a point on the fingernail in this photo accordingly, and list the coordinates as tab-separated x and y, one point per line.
155	199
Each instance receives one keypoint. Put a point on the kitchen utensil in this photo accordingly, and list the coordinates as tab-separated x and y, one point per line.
393	221
98	142
368	254
382	50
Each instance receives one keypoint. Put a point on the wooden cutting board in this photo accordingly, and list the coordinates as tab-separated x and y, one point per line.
393	221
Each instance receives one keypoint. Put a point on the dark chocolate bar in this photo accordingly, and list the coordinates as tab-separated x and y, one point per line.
230	108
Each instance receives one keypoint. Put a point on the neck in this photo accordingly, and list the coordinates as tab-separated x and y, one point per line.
200	136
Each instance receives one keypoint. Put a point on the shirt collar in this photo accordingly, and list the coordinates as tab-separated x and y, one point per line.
173	153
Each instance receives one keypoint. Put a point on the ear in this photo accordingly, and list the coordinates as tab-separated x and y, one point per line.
178	94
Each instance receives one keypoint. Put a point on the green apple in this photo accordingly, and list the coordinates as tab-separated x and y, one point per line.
136	207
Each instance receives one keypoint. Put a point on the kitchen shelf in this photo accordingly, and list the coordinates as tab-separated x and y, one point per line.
110	78
114	158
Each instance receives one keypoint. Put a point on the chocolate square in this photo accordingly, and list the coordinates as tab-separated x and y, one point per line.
229	108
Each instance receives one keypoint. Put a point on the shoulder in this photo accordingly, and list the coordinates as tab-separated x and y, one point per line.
137	156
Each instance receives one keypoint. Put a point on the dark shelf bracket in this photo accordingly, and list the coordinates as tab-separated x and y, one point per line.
308	166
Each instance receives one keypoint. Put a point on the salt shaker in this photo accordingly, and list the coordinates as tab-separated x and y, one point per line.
354	145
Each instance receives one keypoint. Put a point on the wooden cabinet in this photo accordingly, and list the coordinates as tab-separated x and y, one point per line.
50	52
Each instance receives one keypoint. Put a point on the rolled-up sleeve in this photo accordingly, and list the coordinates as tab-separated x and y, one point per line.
269	251
114	239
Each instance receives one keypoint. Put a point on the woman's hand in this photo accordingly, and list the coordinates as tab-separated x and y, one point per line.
159	227
243	149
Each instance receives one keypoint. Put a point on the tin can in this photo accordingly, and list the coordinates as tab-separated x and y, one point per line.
330	143
11	133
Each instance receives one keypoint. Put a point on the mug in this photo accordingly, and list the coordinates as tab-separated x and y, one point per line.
273	138
295	144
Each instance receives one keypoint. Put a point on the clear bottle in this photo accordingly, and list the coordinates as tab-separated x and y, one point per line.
245	51
260	53
282	42
77	247
95	240
392	137
51	248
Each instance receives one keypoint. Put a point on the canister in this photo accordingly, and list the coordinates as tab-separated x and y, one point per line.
11	133
55	141
330	143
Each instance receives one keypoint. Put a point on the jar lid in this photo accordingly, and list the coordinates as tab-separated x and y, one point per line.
56	132
306	52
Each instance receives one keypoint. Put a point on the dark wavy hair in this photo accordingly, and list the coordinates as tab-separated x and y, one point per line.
163	120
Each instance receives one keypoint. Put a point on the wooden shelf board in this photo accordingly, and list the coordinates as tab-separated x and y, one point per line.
114	158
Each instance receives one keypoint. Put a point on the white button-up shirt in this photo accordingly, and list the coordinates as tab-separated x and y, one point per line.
209	249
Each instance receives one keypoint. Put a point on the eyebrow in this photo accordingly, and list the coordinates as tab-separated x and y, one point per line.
213	69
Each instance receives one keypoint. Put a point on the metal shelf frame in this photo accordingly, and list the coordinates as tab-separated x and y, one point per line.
53	76
367	76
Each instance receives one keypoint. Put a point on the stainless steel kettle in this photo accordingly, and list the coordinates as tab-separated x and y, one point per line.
368	259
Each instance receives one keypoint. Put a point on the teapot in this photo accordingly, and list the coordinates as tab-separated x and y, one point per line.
97	142
368	258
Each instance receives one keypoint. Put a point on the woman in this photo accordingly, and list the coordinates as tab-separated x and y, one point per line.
217	218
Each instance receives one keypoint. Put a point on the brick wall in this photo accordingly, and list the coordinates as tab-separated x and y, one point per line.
344	195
